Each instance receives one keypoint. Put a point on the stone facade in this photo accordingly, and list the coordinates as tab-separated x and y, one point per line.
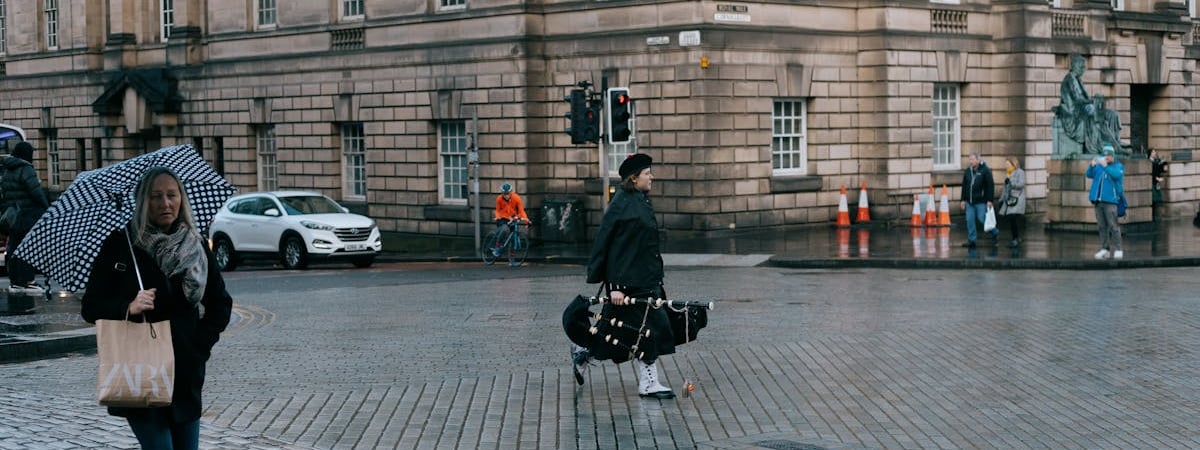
866	72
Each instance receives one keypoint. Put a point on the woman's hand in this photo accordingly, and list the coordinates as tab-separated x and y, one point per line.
617	297
143	302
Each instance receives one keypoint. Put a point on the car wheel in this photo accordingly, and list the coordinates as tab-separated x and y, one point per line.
293	255
363	262
224	254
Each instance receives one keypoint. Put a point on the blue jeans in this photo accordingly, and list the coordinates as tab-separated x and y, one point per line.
975	215
156	431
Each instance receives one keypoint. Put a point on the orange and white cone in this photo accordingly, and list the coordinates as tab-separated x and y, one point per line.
931	219
864	213
944	209
843	213
916	215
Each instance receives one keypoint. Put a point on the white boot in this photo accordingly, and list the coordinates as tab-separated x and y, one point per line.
648	385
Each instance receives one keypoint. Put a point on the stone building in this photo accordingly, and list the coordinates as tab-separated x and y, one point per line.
756	112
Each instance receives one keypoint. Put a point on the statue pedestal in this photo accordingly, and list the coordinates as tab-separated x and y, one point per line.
1067	205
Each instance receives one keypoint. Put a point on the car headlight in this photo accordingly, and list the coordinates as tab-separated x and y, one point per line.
316	225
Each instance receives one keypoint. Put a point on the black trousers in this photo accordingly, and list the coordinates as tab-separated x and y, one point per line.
19	272
1015	221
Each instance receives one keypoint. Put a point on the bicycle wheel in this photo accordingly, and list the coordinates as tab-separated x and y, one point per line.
487	247
518	249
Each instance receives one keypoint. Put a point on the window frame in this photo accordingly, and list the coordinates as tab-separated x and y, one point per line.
166	9
342	10
954	129
458	6
267	160
3	27
50	19
1117	5
798	141
1192	13
53	158
354	161
449	159
260	10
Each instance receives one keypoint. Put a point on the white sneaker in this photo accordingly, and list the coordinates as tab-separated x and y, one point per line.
1118	254
1102	254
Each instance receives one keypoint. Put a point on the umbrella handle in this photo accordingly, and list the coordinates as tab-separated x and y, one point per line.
135	264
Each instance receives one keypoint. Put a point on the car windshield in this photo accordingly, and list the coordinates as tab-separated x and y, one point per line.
309	204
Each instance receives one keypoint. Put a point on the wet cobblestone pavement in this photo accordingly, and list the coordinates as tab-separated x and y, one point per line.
460	356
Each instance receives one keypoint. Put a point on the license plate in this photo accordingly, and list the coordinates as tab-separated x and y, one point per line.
356	247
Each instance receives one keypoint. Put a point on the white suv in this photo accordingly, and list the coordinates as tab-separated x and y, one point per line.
293	226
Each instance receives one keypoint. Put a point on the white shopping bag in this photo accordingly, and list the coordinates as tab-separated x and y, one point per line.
989	220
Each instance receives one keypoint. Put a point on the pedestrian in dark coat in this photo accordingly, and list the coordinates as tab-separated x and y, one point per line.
625	257
23	191
181	283
978	191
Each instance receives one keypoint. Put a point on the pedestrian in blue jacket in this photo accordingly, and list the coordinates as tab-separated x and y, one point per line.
1108	189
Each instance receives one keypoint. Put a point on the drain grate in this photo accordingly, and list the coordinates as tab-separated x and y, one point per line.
783	444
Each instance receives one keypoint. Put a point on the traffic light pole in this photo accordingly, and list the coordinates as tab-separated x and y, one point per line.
600	146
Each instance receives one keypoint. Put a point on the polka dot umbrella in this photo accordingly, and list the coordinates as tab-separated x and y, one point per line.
64	242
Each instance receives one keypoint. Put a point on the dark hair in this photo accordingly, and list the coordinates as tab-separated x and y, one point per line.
24	150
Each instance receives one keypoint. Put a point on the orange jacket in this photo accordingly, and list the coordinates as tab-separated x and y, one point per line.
511	207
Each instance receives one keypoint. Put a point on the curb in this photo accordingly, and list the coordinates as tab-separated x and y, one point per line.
43	346
1010	264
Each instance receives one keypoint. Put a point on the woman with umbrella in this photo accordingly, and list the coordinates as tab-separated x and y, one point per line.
158	268
625	258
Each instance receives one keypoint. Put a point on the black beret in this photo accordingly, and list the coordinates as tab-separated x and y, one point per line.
634	164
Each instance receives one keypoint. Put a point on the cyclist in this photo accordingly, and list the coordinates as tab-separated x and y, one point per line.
509	207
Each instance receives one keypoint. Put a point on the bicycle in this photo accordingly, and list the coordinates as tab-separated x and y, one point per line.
515	246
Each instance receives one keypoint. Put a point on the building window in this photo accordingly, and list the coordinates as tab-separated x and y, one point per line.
452	163
1118	5
352	9
266	13
354	154
950	2
168	18
3	27
946	138
53	159
268	164
1191	13
50	15
1055	3
445	5
789	138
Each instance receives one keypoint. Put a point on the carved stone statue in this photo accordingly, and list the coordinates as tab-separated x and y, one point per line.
1082	124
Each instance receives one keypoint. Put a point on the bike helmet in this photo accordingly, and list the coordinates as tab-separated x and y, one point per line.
505	188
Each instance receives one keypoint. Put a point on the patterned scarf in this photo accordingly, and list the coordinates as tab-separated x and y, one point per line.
181	253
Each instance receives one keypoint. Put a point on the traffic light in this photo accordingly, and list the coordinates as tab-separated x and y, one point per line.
585	118
620	115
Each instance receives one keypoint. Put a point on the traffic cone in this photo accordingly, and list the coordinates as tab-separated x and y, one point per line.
931	219
843	214
864	214
916	215
944	210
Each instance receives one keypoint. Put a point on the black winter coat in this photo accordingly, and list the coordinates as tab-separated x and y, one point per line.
626	257
23	189
626	250
113	284
977	185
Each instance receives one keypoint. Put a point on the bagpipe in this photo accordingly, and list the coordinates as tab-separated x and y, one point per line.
622	333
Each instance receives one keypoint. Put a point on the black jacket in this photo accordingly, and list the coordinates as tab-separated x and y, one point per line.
23	189
113	284
626	250
977	185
